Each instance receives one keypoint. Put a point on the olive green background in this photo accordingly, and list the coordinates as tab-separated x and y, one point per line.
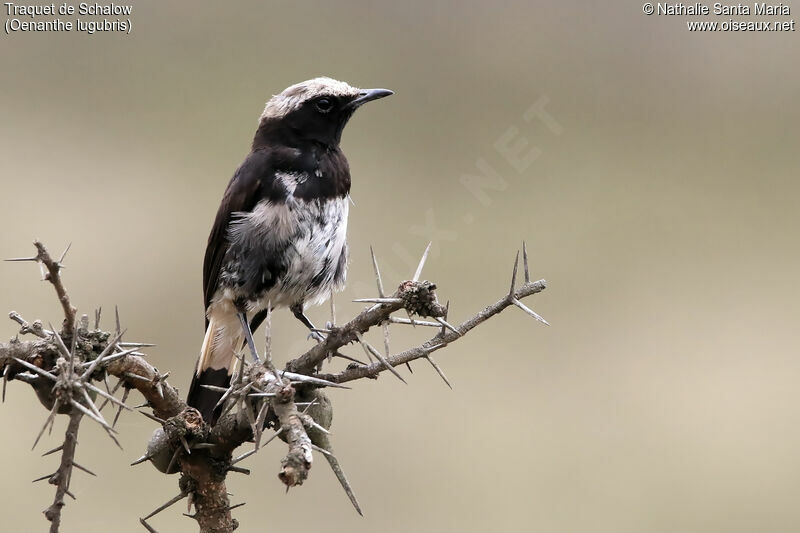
661	204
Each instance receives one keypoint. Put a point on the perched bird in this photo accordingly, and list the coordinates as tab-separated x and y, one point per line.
279	238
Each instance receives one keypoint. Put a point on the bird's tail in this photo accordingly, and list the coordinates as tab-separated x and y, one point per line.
216	365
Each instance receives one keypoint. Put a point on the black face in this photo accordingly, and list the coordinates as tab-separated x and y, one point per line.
321	119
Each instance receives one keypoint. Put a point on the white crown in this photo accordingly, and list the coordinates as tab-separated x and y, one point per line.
293	97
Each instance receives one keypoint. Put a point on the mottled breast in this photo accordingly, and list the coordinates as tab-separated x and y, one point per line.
287	251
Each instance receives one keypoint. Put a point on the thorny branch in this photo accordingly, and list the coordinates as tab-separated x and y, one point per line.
440	340
51	271
64	473
291	402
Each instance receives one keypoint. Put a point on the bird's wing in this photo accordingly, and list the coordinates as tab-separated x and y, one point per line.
252	181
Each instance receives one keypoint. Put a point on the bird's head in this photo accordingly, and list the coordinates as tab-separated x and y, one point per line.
315	110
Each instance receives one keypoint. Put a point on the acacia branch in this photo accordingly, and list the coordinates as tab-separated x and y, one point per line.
259	397
136	373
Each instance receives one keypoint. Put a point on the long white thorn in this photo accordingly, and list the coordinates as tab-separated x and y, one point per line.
424	258
431	349
141	459
377	272
54	450
36	369
386	339
90	414
413	322
369	349
379	300
439	371
514	276
125	394
215	388
47	422
79	467
247	454
93	407
258	430
339	473
109	397
26	377
244	456
154	418
173	501
530	311
310	379
225	396
446	324
63	255
135	344
60	343
268	334
525	262
273	437
309	422
111	391
321	450
73	352
333	309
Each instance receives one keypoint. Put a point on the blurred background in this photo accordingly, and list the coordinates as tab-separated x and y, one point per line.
652	172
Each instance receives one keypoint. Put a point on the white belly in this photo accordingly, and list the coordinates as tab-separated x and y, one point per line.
319	250
307	240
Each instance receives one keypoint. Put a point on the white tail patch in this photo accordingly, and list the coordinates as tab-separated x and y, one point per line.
221	343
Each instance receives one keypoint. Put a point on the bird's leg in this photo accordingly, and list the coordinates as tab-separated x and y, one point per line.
297	311
248	335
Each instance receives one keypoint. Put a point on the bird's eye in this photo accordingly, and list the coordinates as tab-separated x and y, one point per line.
324	105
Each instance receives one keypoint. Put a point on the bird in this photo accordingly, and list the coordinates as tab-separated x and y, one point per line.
279	239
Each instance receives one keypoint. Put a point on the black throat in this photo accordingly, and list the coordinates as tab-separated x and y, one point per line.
326	170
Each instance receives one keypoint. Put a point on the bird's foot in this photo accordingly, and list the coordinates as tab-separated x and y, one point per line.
317	336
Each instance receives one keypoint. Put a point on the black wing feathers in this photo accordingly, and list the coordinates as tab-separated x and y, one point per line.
252	181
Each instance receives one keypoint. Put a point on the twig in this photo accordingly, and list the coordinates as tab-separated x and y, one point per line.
54	277
63	475
440	340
